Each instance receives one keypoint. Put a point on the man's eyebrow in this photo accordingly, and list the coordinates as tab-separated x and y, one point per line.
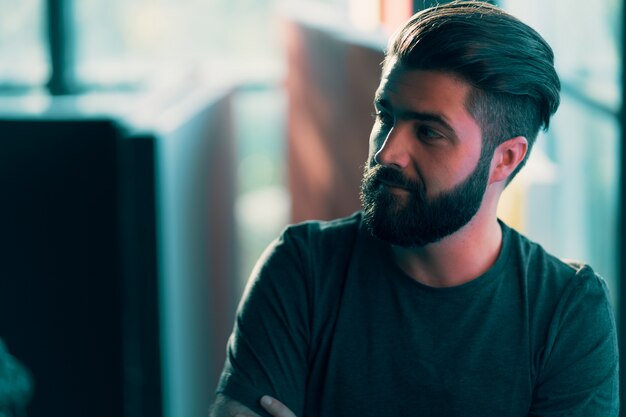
414	115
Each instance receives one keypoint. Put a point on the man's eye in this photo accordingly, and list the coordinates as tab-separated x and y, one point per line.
425	132
383	118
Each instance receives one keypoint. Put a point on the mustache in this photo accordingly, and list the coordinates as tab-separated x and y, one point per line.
393	177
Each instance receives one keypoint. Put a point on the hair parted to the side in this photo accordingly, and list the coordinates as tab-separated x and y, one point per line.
509	65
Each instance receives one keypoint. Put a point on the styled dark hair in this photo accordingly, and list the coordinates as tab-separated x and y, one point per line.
508	64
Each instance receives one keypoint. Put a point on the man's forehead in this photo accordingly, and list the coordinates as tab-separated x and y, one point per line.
390	64
396	76
389	75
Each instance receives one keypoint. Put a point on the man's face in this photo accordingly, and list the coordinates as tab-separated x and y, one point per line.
425	178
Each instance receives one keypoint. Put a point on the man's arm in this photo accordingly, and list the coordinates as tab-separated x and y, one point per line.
579	371
226	407
267	351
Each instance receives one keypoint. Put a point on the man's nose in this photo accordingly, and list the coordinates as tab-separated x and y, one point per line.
395	148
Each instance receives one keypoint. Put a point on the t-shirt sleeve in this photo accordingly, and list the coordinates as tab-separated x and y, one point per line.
267	350
579	365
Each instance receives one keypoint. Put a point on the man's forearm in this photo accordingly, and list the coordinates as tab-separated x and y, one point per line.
227	407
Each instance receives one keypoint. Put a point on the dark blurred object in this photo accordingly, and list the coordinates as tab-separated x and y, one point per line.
117	244
76	306
16	385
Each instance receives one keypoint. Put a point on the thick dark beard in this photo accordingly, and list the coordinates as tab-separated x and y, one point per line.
415	221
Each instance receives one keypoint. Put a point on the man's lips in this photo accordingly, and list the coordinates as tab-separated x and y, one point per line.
394	185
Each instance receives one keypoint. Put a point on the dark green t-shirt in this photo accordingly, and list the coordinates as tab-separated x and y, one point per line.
331	326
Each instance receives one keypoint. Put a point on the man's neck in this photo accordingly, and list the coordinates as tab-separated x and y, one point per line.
456	259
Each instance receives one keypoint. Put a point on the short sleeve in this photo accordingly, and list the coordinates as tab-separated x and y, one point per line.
267	351
579	365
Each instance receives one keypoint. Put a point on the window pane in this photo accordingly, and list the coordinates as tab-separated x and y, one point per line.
23	59
584	36
127	40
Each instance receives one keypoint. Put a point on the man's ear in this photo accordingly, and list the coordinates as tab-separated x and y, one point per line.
507	156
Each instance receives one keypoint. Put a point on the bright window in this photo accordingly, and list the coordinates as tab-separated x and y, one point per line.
23	59
130	41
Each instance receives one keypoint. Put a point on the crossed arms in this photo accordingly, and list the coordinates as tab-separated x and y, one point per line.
226	407
576	356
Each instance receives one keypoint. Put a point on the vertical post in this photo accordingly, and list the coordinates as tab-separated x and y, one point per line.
621	239
60	46
424	4
419	5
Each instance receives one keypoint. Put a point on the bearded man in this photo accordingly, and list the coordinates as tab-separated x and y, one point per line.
425	303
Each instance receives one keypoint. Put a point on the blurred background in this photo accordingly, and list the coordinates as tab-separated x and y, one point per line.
151	149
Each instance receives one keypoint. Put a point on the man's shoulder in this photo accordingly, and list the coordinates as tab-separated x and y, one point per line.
325	245
328	230
548	270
